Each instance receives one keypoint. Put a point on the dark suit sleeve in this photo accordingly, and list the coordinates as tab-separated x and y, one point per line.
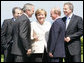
25	34
53	35
80	30
3	34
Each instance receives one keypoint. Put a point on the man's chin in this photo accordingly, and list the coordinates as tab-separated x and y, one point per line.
65	14
53	19
30	16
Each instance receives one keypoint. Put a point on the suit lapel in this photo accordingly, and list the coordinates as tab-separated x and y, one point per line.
70	23
11	22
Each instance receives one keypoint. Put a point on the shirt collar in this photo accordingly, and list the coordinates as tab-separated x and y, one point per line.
14	19
26	15
39	23
70	16
57	18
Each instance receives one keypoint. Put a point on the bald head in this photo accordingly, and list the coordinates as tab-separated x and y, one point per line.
55	12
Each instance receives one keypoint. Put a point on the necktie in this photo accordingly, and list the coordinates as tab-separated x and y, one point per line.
67	21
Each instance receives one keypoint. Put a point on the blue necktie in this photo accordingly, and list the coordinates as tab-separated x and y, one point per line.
67	21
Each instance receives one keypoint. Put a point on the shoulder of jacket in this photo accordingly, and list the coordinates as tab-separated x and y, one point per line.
7	20
77	16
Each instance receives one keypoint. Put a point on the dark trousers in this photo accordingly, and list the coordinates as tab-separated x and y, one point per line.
2	50
57	59
8	57
45	56
21	58
36	57
72	58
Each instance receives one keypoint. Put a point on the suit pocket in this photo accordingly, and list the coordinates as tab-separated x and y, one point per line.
75	48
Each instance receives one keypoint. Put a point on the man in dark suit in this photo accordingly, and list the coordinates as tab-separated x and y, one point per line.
6	34
21	47
74	30
56	48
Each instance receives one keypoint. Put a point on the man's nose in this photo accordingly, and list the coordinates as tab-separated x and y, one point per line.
19	14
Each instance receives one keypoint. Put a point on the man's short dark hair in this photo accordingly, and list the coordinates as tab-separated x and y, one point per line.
13	10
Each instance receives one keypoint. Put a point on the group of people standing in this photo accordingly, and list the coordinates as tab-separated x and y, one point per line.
39	41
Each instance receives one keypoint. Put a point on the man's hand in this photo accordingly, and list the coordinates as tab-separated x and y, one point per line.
28	51
67	39
50	54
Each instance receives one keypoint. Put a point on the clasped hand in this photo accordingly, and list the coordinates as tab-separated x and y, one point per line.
67	39
28	52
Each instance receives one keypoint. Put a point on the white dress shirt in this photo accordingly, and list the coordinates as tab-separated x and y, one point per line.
42	31
68	20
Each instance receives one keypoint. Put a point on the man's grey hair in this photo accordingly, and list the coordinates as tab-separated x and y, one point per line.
27	6
71	7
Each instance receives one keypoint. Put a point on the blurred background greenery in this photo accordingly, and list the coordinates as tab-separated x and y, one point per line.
82	49
2	56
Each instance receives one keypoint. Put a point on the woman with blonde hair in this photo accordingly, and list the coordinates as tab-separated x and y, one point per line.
39	35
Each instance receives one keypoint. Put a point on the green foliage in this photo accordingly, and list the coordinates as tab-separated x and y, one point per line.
81	40
2	58
82	49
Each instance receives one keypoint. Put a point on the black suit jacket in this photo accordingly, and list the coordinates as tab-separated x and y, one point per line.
56	39
74	31
6	33
21	36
